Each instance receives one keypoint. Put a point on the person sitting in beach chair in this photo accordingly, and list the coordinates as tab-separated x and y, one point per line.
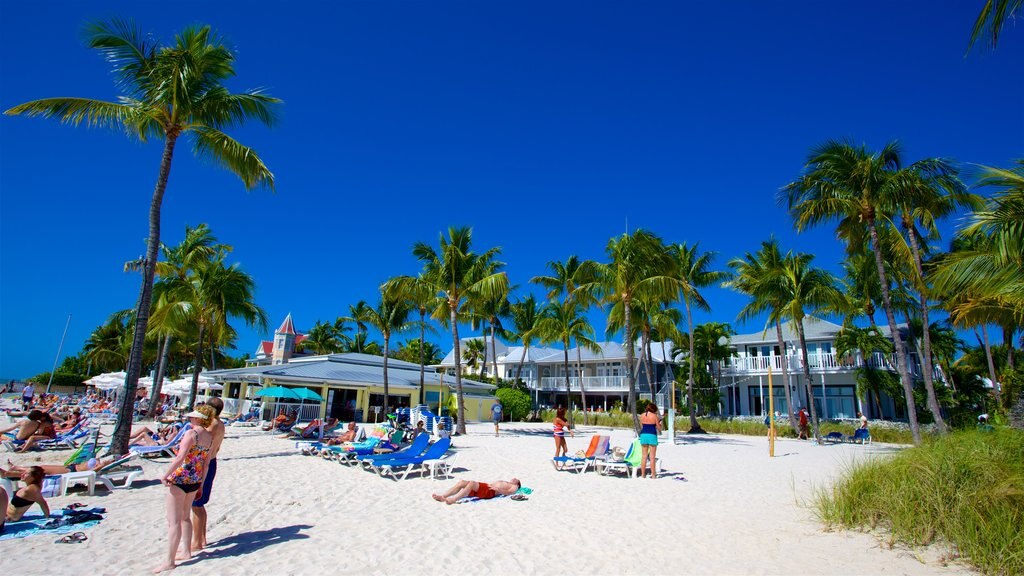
147	437
472	489
348	436
282	422
27	427
57	469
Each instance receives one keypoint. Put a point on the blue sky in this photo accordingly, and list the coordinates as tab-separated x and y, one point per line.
545	126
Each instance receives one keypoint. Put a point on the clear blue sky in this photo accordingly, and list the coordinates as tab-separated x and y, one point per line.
543	125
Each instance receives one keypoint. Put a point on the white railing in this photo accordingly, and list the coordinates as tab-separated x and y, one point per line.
591	383
816	361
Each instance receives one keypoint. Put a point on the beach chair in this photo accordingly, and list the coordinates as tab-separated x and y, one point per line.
630	464
161	449
119	470
835	437
860	436
597	449
407	465
419	445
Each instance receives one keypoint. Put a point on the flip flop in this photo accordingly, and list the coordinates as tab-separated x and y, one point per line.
518	497
74	506
73	538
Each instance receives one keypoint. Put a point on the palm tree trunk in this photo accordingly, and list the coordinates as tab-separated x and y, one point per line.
158	381
694	426
194	389
671	404
630	379
387	338
1008	342
901	353
125	414
522	359
807	380
645	341
783	360
494	354
460	410
991	365
568	393
926	339
423	385
583	389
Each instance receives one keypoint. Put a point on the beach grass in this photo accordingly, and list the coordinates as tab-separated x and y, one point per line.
964	490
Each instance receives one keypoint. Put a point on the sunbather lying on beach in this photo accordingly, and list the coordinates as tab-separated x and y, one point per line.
147	437
469	488
348	436
15	471
27	427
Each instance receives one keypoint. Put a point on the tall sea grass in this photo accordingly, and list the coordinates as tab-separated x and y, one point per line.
964	490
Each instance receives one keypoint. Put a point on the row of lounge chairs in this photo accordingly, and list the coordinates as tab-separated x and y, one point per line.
603	459
860	436
430	459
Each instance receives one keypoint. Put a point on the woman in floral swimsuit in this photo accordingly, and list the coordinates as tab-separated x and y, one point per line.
183	479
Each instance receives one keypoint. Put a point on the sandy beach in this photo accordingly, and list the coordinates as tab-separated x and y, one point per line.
721	507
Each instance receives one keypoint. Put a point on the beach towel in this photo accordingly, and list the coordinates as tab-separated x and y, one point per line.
38	524
520	494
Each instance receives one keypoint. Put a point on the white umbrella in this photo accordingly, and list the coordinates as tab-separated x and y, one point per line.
210	385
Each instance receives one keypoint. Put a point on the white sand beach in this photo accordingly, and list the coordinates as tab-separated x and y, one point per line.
274	511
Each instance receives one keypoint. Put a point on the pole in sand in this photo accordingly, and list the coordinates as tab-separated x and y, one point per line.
771	415
59	349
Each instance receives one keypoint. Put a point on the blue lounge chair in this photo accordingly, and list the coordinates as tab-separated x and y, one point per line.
835	437
418	446
860	436
161	449
408	465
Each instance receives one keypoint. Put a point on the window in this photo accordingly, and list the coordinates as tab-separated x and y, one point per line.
840	402
754	400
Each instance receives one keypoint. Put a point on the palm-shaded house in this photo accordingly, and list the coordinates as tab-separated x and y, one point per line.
602	374
351	385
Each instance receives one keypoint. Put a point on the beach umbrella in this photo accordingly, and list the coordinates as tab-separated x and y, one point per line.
279	392
307	394
210	385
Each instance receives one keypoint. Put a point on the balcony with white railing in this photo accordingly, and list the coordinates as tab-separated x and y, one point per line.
590	383
816	361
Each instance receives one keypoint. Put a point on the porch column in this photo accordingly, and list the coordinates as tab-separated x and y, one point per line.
760	393
824	399
323	404
243	388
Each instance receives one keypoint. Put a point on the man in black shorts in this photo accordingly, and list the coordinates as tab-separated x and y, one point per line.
216	428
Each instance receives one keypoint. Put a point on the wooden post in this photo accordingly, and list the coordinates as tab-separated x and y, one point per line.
771	415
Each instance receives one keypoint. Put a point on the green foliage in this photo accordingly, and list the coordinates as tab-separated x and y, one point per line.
409	351
963	489
516	403
59	379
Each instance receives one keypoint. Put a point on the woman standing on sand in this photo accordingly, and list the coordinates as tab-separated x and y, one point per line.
560	426
183	479
650	428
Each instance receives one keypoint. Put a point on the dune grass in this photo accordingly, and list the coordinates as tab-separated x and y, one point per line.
964	490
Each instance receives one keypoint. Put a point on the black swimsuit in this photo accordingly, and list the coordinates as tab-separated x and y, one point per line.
19	502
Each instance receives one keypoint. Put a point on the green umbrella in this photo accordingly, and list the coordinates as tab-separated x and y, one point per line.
307	394
280	392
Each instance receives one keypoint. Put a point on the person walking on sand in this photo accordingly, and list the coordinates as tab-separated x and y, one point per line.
26	396
496	409
650	428
804	428
213	408
469	488
183	478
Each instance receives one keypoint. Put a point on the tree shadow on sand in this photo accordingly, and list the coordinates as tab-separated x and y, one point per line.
249	542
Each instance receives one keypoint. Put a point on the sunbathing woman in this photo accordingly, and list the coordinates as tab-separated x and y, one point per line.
24	498
27	427
16	471
45	431
147	437
560	425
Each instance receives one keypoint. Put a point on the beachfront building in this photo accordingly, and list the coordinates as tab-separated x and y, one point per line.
351	386
601	375
287	344
744	376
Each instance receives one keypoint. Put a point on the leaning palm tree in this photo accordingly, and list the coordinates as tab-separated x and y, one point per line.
639	267
751	275
857	188
455	273
563	322
390	317
691	269
169	92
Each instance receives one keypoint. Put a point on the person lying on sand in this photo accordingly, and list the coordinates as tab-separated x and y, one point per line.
469	488
15	471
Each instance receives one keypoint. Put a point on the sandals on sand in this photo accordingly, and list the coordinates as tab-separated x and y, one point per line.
73	538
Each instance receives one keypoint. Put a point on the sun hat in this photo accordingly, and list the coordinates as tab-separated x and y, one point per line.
196	414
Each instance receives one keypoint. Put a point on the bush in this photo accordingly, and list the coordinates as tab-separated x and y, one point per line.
963	489
59	379
516	403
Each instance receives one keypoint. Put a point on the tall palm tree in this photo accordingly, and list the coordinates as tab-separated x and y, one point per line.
563	322
455	273
169	91
525	315
806	290
751	276
475	354
692	270
637	269
359	314
566	280
709	347
491	311
390	317
857	188
420	297
322	338
107	347
209	296
994	14
864	342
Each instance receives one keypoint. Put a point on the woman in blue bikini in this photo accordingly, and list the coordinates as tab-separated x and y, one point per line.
650	427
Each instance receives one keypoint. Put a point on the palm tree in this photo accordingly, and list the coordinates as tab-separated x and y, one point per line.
423	300
322	338
637	270
566	280
856	188
107	346
170	91
525	315
564	322
359	314
209	296
806	289
454	274
475	353
751	275
711	346
390	317
491	311
691	269
864	342
992	17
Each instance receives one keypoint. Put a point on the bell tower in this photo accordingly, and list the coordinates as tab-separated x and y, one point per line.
284	341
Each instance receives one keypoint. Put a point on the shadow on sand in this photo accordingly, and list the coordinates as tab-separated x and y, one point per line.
249	542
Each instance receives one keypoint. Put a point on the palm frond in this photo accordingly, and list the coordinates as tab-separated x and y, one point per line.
239	159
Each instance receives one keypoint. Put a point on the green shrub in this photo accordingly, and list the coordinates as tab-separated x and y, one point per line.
515	402
59	379
965	489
